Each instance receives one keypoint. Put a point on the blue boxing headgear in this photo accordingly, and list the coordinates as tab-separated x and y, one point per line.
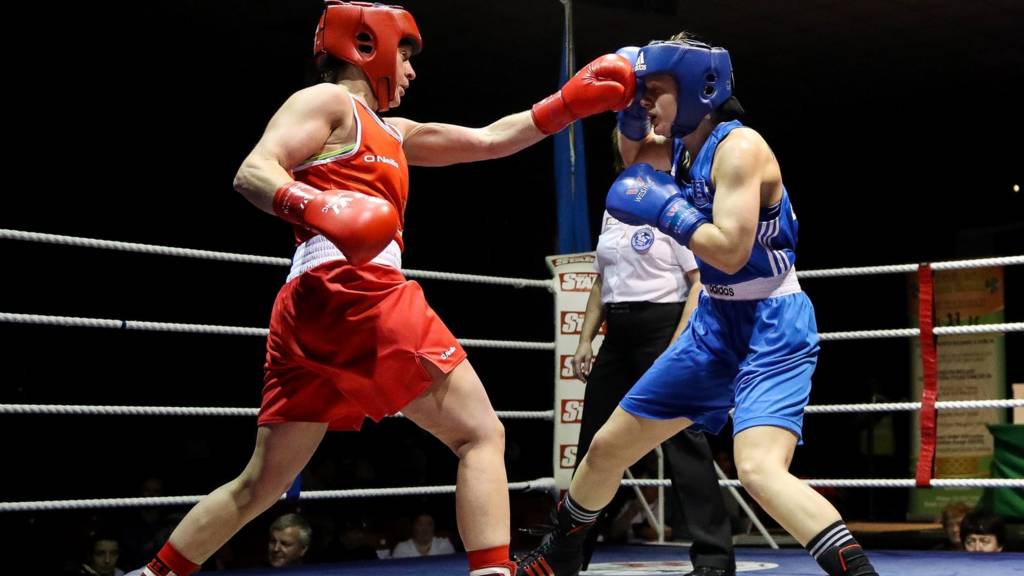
703	78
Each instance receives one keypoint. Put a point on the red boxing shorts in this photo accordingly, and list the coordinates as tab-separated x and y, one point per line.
347	343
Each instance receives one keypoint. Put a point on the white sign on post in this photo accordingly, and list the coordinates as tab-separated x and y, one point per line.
574	277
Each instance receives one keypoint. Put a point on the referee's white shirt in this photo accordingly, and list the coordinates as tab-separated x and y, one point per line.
641	264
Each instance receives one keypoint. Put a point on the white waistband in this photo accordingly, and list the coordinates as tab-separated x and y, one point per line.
318	250
756	289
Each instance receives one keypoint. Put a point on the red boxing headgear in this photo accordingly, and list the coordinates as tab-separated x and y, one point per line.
367	35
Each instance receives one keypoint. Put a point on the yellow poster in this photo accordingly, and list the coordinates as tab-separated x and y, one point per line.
970	367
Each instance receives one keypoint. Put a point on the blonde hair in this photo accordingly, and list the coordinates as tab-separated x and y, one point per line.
297	521
617	162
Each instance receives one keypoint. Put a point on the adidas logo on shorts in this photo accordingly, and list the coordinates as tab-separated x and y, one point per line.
640	65
719	290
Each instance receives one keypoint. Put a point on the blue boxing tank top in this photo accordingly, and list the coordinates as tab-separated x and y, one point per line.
774	251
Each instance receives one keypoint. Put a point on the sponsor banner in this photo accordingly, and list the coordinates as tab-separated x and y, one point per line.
574	278
971	367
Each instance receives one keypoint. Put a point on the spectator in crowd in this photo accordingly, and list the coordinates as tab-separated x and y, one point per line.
424	541
290	536
225	559
631	522
982	532
952	515
102	556
143	530
352	543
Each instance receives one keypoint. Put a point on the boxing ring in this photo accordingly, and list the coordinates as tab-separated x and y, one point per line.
611	561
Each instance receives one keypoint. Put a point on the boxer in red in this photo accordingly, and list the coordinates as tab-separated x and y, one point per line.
350	337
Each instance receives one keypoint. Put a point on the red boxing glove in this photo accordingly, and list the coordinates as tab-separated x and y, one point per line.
605	84
361	226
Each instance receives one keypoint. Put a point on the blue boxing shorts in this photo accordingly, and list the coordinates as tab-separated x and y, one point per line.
756	355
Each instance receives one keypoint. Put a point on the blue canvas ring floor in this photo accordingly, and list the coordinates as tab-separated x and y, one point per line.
657	560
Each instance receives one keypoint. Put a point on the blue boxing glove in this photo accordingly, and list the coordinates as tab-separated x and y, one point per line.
633	122
642	195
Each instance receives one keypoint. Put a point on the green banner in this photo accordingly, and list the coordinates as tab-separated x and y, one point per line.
1008	462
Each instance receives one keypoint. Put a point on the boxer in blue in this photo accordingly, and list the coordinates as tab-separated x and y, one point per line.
715	186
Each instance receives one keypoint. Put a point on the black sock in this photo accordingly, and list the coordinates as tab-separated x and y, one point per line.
838	553
572	516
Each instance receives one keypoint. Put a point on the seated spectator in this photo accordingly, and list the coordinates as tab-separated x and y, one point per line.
952	515
352	543
101	559
224	559
290	536
423	542
631	522
982	532
144	530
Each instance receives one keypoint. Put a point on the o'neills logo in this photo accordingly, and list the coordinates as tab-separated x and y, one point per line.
719	290
384	159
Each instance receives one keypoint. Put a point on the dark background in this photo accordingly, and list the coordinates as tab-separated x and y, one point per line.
897	123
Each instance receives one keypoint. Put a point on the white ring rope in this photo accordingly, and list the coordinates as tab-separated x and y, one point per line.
517	282
538	484
71	321
91	503
914	332
912	406
868	334
85	410
978	329
904	268
867	483
506	344
246	258
6	234
480	279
